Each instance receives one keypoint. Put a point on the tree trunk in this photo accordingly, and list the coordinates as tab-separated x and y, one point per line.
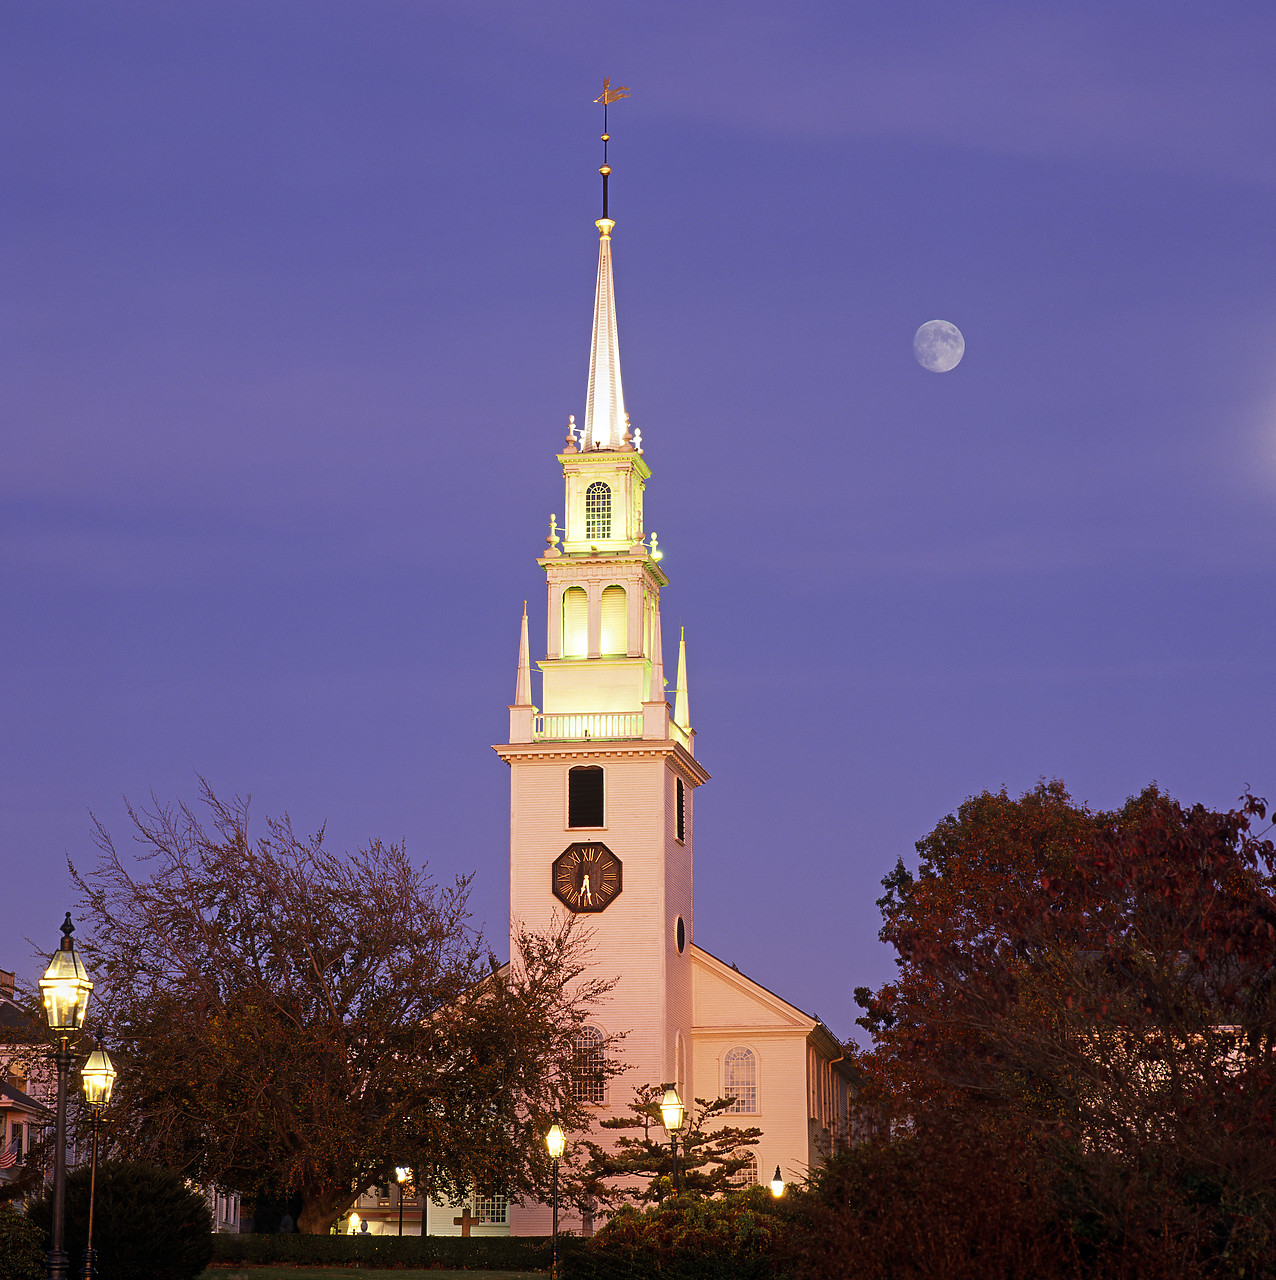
320	1209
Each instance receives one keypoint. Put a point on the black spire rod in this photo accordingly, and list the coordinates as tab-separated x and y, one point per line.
608	96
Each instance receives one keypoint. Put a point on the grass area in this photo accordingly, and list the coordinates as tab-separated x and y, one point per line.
346	1273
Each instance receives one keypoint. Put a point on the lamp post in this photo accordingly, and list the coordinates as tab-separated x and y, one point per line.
555	1142
98	1075
673	1114
65	989
402	1175
777	1184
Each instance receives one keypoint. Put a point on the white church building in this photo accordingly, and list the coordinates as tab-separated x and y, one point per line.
603	781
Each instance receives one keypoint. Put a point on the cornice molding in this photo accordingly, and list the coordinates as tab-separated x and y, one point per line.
694	771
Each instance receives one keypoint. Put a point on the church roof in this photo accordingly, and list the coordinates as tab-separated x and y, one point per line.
780	1010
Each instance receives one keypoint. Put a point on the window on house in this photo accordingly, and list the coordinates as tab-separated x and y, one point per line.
589	1081
740	1080
492	1208
680	802
575	623
747	1174
585	796
598	510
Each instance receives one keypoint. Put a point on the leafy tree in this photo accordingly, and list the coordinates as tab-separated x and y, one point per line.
708	1157
23	1246
148	1224
945	1198
291	1021
1102	986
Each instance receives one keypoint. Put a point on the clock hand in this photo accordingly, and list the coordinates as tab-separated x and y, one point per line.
585	895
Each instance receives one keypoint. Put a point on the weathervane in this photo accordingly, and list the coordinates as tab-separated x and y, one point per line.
608	96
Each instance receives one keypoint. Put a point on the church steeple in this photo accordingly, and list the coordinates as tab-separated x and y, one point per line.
605	424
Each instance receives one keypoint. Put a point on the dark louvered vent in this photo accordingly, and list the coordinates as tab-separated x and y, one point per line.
585	796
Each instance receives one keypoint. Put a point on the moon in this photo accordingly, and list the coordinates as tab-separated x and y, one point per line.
938	346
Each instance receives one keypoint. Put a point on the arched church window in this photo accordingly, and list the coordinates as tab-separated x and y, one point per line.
740	1080
575	622
598	510
589	1079
585	796
615	621
747	1174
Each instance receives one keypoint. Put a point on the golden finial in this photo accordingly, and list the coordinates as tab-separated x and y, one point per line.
608	96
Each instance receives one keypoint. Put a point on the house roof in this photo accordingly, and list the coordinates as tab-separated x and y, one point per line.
11	1097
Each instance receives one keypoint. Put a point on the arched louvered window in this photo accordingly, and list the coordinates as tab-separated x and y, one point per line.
740	1080
589	1079
575	623
615	620
598	510
747	1174
680	809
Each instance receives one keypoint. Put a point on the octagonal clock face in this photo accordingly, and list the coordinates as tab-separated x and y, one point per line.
586	877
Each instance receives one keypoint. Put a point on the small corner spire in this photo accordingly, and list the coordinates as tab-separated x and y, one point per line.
681	706
523	683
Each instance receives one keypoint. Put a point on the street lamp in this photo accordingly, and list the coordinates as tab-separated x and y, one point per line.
402	1175
65	989
555	1142
674	1115
98	1075
777	1184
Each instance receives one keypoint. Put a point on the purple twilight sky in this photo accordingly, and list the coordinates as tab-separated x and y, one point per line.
296	301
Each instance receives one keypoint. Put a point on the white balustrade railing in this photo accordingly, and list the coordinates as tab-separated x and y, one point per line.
587	727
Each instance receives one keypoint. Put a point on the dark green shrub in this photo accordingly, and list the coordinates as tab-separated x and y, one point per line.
475	1253
731	1237
22	1246
147	1223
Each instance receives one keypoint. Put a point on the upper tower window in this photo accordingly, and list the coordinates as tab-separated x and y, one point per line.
615	620
575	622
598	510
585	796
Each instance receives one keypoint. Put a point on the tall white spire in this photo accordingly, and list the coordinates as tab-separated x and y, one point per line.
605	405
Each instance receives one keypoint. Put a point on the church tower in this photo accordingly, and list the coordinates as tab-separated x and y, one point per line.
602	774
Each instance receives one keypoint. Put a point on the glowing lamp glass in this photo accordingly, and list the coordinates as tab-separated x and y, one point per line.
777	1184
556	1140
672	1112
65	988
402	1174
354	1223
98	1076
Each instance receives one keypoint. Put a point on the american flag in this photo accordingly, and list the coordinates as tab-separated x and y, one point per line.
9	1156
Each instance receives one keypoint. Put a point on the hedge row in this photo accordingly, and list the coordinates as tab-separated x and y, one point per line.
486	1253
